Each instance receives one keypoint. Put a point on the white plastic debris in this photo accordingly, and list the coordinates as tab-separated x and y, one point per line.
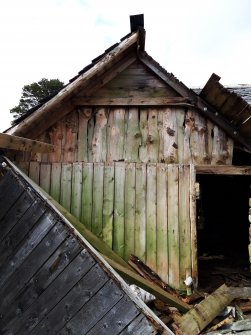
4	164
188	281
142	294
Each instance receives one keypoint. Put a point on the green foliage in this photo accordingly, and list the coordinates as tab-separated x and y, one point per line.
32	95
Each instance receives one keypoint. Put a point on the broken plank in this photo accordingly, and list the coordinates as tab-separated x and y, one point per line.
150	287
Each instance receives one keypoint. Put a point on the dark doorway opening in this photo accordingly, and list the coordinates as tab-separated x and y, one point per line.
222	228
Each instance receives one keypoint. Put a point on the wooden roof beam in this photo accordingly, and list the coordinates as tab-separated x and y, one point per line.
23	144
49	111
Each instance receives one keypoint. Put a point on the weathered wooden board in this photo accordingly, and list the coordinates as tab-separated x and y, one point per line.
133	136
173	225
151	218
108	201
55	188
129	210
184	224
116	134
162	222
76	198
83	117
99	144
119	209
45	176
66	182
140	211
87	191
97	198
34	172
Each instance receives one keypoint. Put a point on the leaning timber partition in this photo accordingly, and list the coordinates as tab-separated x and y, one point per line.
142	209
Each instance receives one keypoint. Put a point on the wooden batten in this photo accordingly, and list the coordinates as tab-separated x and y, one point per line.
24	144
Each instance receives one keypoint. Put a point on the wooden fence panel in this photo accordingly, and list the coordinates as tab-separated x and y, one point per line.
45	176
136	208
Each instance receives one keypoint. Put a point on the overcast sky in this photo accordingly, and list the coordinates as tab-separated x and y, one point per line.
57	38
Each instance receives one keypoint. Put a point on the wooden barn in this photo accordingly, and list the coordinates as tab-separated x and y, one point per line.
151	167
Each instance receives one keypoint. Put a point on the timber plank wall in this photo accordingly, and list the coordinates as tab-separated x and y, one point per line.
135	134
136	208
51	280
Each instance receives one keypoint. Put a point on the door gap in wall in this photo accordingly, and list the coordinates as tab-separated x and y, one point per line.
223	230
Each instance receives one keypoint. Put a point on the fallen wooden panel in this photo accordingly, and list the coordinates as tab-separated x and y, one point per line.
23	144
51	279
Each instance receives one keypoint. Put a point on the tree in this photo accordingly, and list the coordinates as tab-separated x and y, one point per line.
34	93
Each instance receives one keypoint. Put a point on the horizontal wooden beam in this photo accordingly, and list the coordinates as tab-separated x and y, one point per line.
223	170
132	101
150	287
23	144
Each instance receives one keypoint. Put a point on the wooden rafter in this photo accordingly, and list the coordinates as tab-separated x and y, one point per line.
23	144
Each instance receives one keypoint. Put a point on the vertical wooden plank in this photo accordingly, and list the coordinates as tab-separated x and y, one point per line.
140	212
34	171
98	191
161	139
45	177
169	136
192	198
162	242
70	139
129	209
173	225
189	124
86	212
221	152
90	130
108	203
84	114
116	134
99	137
198	139
209	141
151	211
56	136
119	208
229	149
153	135
24	166
143	155
133	136
55	181
66	178
76	190
180	119
184	223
